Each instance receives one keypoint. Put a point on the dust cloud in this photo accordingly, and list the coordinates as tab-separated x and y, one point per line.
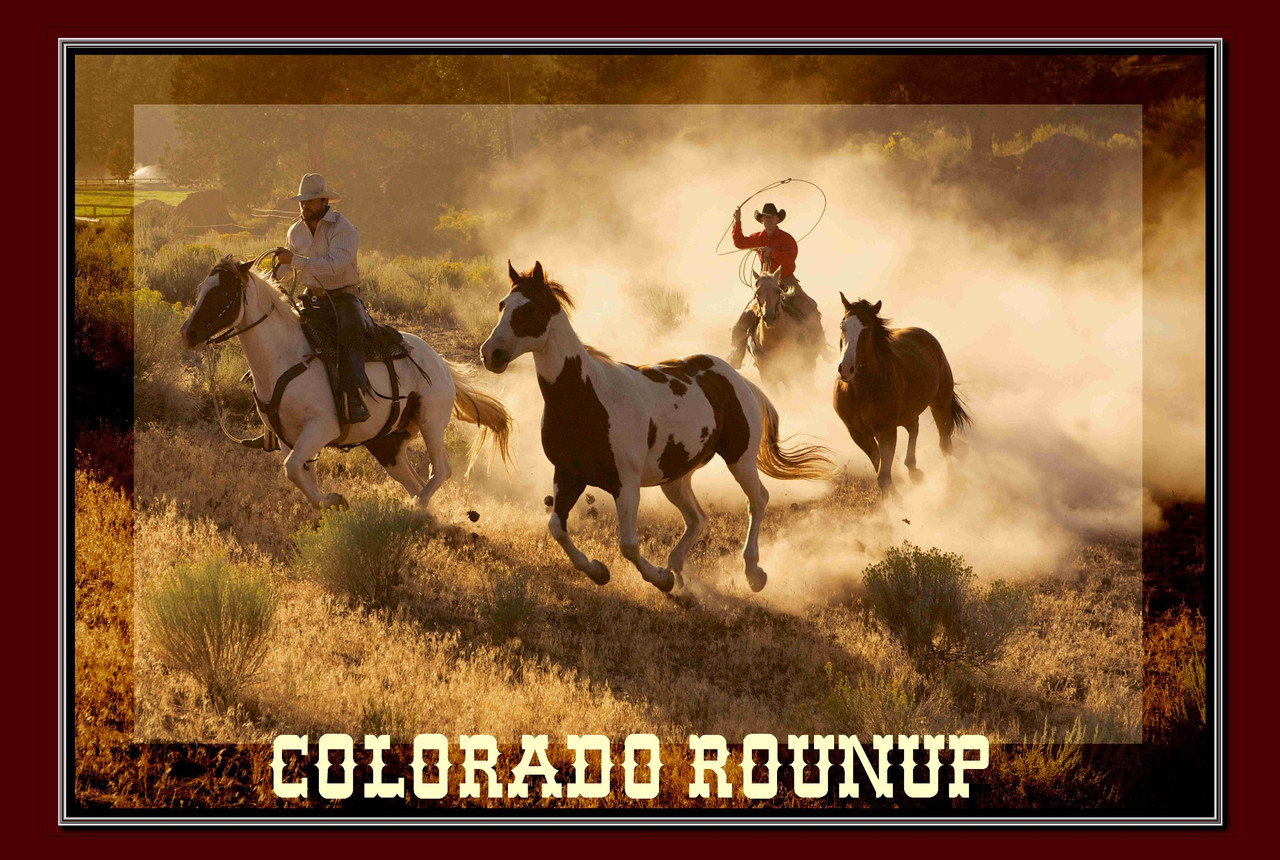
1048	334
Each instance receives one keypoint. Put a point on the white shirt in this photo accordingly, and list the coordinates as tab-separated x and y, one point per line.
327	259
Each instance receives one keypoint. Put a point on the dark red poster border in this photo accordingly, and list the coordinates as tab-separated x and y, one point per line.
33	540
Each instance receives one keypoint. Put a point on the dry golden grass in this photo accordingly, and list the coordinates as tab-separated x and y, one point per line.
494	632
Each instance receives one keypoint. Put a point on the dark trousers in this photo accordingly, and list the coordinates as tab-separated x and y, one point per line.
348	316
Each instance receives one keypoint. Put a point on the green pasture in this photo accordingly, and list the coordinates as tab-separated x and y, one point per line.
126	196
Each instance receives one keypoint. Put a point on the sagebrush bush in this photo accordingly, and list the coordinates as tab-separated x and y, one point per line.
408	287
512	601
362	552
212	620
930	604
174	271
156	344
873	705
666	307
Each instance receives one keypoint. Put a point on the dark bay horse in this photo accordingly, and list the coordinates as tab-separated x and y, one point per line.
620	427
887	378
787	339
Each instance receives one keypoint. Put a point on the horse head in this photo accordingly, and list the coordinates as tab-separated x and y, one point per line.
527	313
220	302
769	294
860	317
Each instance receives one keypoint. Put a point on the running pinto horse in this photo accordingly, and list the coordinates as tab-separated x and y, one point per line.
295	399
787	338
620	427
887	377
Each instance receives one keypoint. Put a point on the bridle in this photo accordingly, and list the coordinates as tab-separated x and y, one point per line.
232	331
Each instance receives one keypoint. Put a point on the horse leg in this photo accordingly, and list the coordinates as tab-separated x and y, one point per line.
433	427
680	493
744	472
302	473
888	440
392	453
913	430
628	502
867	442
566	491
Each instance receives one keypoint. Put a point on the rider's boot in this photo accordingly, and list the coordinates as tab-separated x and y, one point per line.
354	380
738	338
737	354
356	410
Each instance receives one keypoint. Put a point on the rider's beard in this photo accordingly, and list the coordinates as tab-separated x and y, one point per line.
314	216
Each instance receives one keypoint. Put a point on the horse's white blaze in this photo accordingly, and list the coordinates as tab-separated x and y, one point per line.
504	339
852	328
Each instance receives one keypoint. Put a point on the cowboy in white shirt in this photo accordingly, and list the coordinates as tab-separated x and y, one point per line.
321	247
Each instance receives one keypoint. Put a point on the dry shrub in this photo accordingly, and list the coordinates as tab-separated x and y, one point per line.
874	704
1044	774
175	271
666	307
930	604
157	348
362	552
512	601
1175	706
212	620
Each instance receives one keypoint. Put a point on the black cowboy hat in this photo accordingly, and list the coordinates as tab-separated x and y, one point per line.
770	209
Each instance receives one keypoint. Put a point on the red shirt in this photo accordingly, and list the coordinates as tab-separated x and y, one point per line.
781	243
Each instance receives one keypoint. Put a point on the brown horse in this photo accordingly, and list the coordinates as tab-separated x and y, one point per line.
787	339
887	378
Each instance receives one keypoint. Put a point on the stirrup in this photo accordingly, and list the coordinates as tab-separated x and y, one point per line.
356	410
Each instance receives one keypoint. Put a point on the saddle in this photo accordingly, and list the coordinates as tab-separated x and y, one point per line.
319	325
379	342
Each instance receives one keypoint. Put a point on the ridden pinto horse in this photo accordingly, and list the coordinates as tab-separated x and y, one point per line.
887	377
620	427
295	399
785	341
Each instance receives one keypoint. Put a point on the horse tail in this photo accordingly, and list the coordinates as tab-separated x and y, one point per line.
483	410
959	418
801	462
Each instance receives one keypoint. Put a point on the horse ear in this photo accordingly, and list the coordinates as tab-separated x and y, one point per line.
511	271
537	272
876	309
845	302
243	268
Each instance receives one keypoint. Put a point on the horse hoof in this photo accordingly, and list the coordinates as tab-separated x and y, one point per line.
916	475
598	573
335	501
756	579
664	580
679	579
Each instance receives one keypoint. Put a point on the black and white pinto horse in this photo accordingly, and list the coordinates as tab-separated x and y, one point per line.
294	395
620	427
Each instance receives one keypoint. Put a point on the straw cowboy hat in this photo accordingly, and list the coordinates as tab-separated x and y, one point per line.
770	209
313	186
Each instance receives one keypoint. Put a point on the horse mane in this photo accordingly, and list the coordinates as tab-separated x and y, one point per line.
560	293
879	325
599	355
276	292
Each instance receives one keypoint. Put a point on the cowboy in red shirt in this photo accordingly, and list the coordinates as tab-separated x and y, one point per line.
776	247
